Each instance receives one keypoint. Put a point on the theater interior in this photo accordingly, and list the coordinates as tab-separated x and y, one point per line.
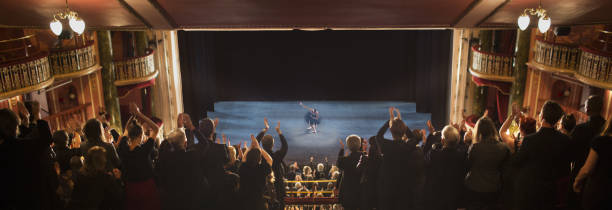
452	59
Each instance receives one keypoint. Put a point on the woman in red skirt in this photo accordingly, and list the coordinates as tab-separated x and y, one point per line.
135	154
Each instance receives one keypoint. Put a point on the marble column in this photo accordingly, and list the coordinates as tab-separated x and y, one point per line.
111	100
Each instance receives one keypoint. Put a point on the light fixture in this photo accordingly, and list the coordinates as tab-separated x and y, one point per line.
544	21
76	24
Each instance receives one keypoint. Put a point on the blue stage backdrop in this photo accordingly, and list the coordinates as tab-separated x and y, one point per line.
239	119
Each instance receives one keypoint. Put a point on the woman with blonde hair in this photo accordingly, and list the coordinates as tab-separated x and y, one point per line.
485	158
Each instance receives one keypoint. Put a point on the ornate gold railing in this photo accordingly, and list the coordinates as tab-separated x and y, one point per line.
74	62
25	75
595	68
492	66
135	70
555	57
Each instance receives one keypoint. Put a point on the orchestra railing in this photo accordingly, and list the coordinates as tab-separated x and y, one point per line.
135	70
492	66
73	62
61	119
561	57
595	68
311	199
25	75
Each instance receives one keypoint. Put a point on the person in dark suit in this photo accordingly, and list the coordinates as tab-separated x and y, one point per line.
350	190
581	139
278	165
541	160
400	171
445	169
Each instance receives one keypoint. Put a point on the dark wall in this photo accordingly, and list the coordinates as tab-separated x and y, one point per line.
322	65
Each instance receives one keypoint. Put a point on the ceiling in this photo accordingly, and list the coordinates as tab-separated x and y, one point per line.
284	14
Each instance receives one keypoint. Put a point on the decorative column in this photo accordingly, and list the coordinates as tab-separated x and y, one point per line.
520	72
480	93
140	42
111	101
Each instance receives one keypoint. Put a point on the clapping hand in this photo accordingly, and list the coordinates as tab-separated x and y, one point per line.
254	143
278	130
430	127
224	138
341	143
266	124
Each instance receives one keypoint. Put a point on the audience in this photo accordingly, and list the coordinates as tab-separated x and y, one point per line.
542	160
485	160
594	180
488	168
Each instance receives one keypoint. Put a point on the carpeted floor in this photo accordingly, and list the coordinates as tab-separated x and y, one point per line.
239	119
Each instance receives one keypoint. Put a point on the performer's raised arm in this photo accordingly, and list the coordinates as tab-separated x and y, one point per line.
306	107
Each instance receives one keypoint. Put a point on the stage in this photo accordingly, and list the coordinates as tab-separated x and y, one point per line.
239	119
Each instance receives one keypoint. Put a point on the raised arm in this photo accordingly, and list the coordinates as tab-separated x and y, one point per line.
264	154
586	170
264	130
507	138
305	107
284	147
145	119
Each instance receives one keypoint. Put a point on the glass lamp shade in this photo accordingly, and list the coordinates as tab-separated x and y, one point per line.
523	22
544	24
56	27
77	25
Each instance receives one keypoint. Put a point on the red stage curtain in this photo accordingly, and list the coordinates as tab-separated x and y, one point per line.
502	92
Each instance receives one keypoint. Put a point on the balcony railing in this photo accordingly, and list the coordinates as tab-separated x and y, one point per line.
25	75
555	57
59	120
73	62
595	68
492	66
135	70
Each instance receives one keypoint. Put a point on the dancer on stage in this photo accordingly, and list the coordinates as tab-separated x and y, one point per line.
312	118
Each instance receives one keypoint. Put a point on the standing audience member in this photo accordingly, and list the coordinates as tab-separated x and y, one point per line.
567	125
445	166
350	189
135	152
94	134
180	180
594	181
542	160
485	160
94	188
399	177
63	153
278	165
253	174
27	177
581	139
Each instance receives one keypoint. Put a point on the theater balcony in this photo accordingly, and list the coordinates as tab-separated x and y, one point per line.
595	68
491	66
23	67
131	71
74	62
555	57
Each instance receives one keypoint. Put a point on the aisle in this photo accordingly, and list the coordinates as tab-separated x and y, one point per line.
239	119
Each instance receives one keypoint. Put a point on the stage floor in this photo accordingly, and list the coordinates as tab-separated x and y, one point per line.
239	119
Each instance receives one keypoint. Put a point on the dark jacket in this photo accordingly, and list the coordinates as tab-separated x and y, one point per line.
63	155
112	158
26	179
581	139
485	161
96	191
181	181
542	158
401	171
446	169
350	188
